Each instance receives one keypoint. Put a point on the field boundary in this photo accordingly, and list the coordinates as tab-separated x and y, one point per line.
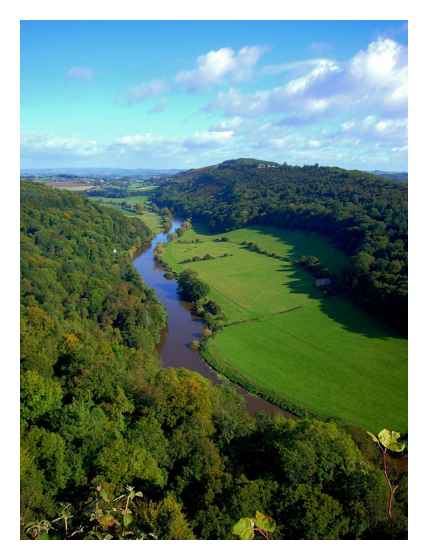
222	367
267	378
263	317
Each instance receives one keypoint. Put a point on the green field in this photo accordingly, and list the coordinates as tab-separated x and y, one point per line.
151	219
322	354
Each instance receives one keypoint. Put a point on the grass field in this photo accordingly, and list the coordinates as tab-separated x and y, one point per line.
322	354
151	219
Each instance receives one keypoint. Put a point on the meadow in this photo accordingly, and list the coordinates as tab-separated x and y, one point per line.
285	340
151	219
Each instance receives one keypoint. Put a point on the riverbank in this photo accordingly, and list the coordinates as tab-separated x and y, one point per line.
286	340
183	327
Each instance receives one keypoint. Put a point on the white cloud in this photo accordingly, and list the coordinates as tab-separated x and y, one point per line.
32	144
348	125
385	128
138	140
374	79
322	71
383	133
216	67
146	90
383	67
208	139
276	100
200	139
298	65
381	64
80	73
370	142
228	124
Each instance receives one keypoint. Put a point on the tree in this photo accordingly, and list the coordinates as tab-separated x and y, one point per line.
139	208
123	462
166	519
190	287
39	395
388	440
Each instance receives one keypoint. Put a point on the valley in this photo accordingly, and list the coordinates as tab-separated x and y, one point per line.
284	339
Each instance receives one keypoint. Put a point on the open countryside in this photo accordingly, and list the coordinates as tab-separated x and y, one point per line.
213	281
285	340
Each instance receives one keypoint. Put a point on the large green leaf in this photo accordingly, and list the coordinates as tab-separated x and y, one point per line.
265	522
244	529
374	438
389	439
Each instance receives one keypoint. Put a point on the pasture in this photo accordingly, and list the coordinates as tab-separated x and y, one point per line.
285	340
151	219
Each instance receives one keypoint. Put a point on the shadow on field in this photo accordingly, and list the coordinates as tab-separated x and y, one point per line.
337	307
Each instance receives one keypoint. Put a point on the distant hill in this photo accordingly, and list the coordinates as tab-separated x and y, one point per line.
96	172
396	176
364	214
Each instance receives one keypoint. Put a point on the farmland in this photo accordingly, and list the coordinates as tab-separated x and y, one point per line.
127	204
285	340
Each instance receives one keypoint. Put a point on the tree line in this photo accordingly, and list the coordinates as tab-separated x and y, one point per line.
363	214
113	446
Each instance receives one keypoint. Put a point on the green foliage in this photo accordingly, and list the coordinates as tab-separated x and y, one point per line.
319	515
39	395
389	440
166	519
363	214
244	528
281	339
190	287
247	527
115	447
122	462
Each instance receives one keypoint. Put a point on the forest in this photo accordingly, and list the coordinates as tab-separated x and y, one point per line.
113	446
363	214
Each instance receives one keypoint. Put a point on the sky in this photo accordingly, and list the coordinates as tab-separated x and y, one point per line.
181	94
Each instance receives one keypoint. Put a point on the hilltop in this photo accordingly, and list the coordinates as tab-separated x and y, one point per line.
362	214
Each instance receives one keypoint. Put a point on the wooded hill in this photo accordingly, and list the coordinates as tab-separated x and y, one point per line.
114	446
363	214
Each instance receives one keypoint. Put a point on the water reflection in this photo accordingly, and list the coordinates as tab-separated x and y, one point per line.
182	328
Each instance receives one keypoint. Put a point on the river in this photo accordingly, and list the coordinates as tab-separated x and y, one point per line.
183	327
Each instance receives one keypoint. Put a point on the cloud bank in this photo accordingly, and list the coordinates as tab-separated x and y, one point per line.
346	112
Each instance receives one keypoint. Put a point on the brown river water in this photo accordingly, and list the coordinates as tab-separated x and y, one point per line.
183	327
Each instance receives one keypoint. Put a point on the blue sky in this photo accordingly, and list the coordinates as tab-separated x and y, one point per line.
186	94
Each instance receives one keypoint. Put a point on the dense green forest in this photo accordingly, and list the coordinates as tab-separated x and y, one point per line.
114	446
363	214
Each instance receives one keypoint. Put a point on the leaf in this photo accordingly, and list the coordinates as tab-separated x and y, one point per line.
374	438
265	522
106	521
389	439
244	528
127	519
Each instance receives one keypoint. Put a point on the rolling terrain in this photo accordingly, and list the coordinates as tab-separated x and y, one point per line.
288	342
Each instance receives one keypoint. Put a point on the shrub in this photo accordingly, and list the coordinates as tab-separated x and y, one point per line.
190	287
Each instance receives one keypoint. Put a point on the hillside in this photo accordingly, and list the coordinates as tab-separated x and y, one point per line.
396	176
115	447
362	214
281	337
